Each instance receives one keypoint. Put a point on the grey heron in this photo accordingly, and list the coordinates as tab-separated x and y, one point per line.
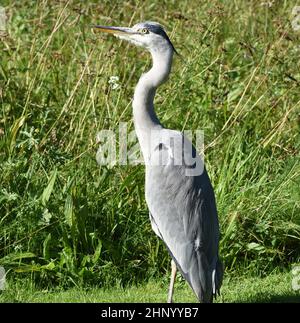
181	201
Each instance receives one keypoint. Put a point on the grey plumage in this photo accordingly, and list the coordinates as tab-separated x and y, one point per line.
183	214
178	190
156	28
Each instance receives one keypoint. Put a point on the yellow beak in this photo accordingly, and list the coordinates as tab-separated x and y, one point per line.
115	30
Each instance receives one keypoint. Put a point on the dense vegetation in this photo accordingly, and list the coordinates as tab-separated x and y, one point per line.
66	220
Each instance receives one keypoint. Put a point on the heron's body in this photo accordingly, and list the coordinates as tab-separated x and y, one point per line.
181	204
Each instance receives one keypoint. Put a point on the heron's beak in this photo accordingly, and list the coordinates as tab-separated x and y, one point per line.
117	31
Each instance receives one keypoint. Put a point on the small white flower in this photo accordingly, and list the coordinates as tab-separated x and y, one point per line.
114	79
46	217
114	82
18	247
267	3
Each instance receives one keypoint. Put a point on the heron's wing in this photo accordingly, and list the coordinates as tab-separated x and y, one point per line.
154	226
183	212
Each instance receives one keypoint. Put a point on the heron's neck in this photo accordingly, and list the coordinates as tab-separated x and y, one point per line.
145	118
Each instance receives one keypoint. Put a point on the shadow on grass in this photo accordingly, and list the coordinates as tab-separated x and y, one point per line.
276	298
285	298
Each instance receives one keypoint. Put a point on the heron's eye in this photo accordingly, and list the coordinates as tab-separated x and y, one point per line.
144	31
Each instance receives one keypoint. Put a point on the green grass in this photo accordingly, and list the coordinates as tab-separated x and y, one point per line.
272	289
65	220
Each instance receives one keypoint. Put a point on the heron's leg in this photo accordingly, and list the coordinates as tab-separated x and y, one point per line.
172	281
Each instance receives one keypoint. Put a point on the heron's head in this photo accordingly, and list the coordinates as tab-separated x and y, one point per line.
150	35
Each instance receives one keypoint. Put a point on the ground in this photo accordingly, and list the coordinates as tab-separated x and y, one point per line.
275	288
